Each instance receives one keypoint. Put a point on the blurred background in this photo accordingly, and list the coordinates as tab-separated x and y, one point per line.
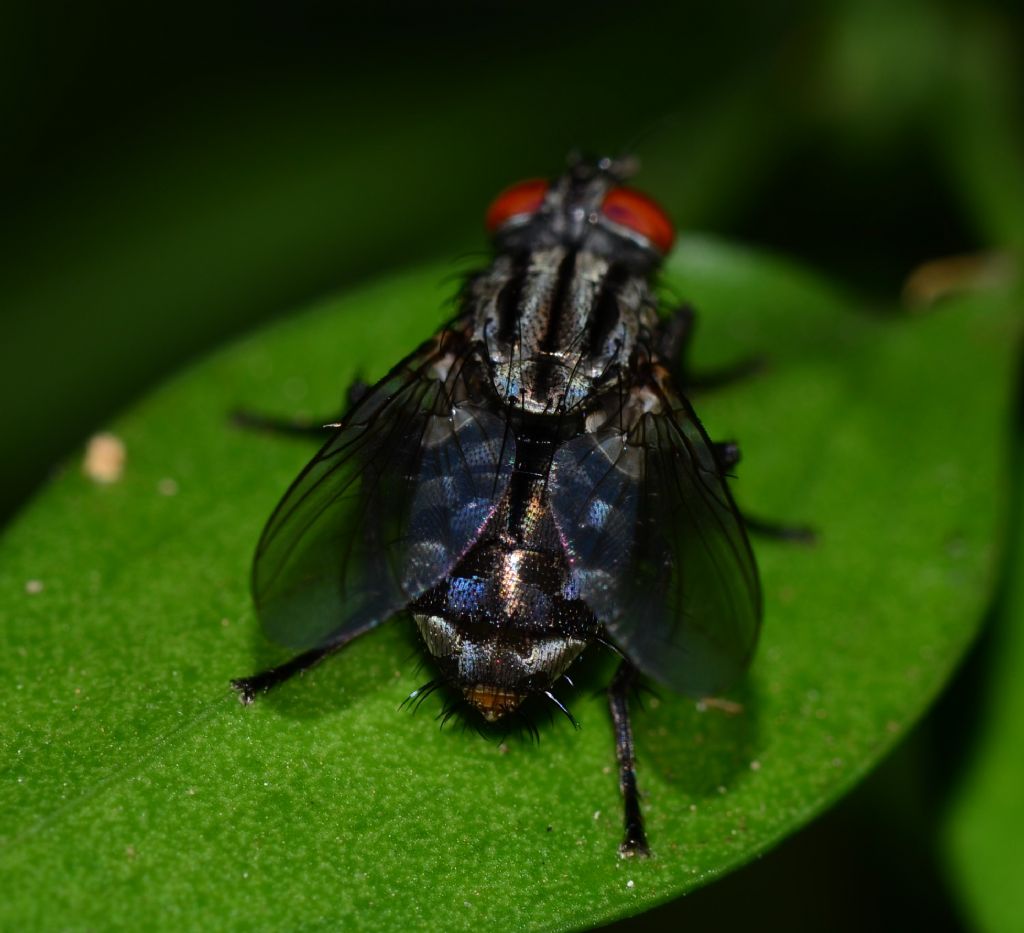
173	177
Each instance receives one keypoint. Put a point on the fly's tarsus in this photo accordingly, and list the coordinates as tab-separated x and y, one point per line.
250	687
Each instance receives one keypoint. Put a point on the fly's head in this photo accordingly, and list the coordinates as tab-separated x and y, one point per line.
587	209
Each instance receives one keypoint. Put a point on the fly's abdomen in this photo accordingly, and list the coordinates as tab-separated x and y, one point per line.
507	621
506	624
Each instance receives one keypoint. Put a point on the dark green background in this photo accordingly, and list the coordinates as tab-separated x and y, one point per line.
176	177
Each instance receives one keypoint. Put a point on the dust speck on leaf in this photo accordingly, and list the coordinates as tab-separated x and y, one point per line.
104	458
721	704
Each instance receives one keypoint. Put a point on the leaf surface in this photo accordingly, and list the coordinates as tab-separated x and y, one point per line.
981	830
134	785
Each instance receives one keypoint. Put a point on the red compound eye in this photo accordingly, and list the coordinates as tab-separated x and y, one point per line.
637	212
521	199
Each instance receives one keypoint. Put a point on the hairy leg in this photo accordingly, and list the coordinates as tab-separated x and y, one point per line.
249	687
673	339
634	841
298	427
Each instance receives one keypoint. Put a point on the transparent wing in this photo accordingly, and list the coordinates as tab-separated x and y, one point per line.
386	508
658	549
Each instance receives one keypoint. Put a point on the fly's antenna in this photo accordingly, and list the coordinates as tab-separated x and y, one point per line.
583	166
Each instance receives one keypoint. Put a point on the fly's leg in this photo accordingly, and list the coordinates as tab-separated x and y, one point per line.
801	534
727	455
249	687
673	339
357	390
289	427
298	427
675	332
723	375
635	840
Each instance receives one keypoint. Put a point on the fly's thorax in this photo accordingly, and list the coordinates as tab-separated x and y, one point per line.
557	324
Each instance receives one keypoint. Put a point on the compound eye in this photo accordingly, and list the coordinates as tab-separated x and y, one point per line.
519	201
627	208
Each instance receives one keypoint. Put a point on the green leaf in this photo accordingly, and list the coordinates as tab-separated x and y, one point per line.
136	786
982	830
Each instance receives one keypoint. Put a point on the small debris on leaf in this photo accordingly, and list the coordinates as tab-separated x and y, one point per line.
729	707
104	458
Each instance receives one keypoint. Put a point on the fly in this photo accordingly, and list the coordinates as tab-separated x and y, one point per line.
528	482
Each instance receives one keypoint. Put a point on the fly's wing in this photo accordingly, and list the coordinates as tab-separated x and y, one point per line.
658	548
386	509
